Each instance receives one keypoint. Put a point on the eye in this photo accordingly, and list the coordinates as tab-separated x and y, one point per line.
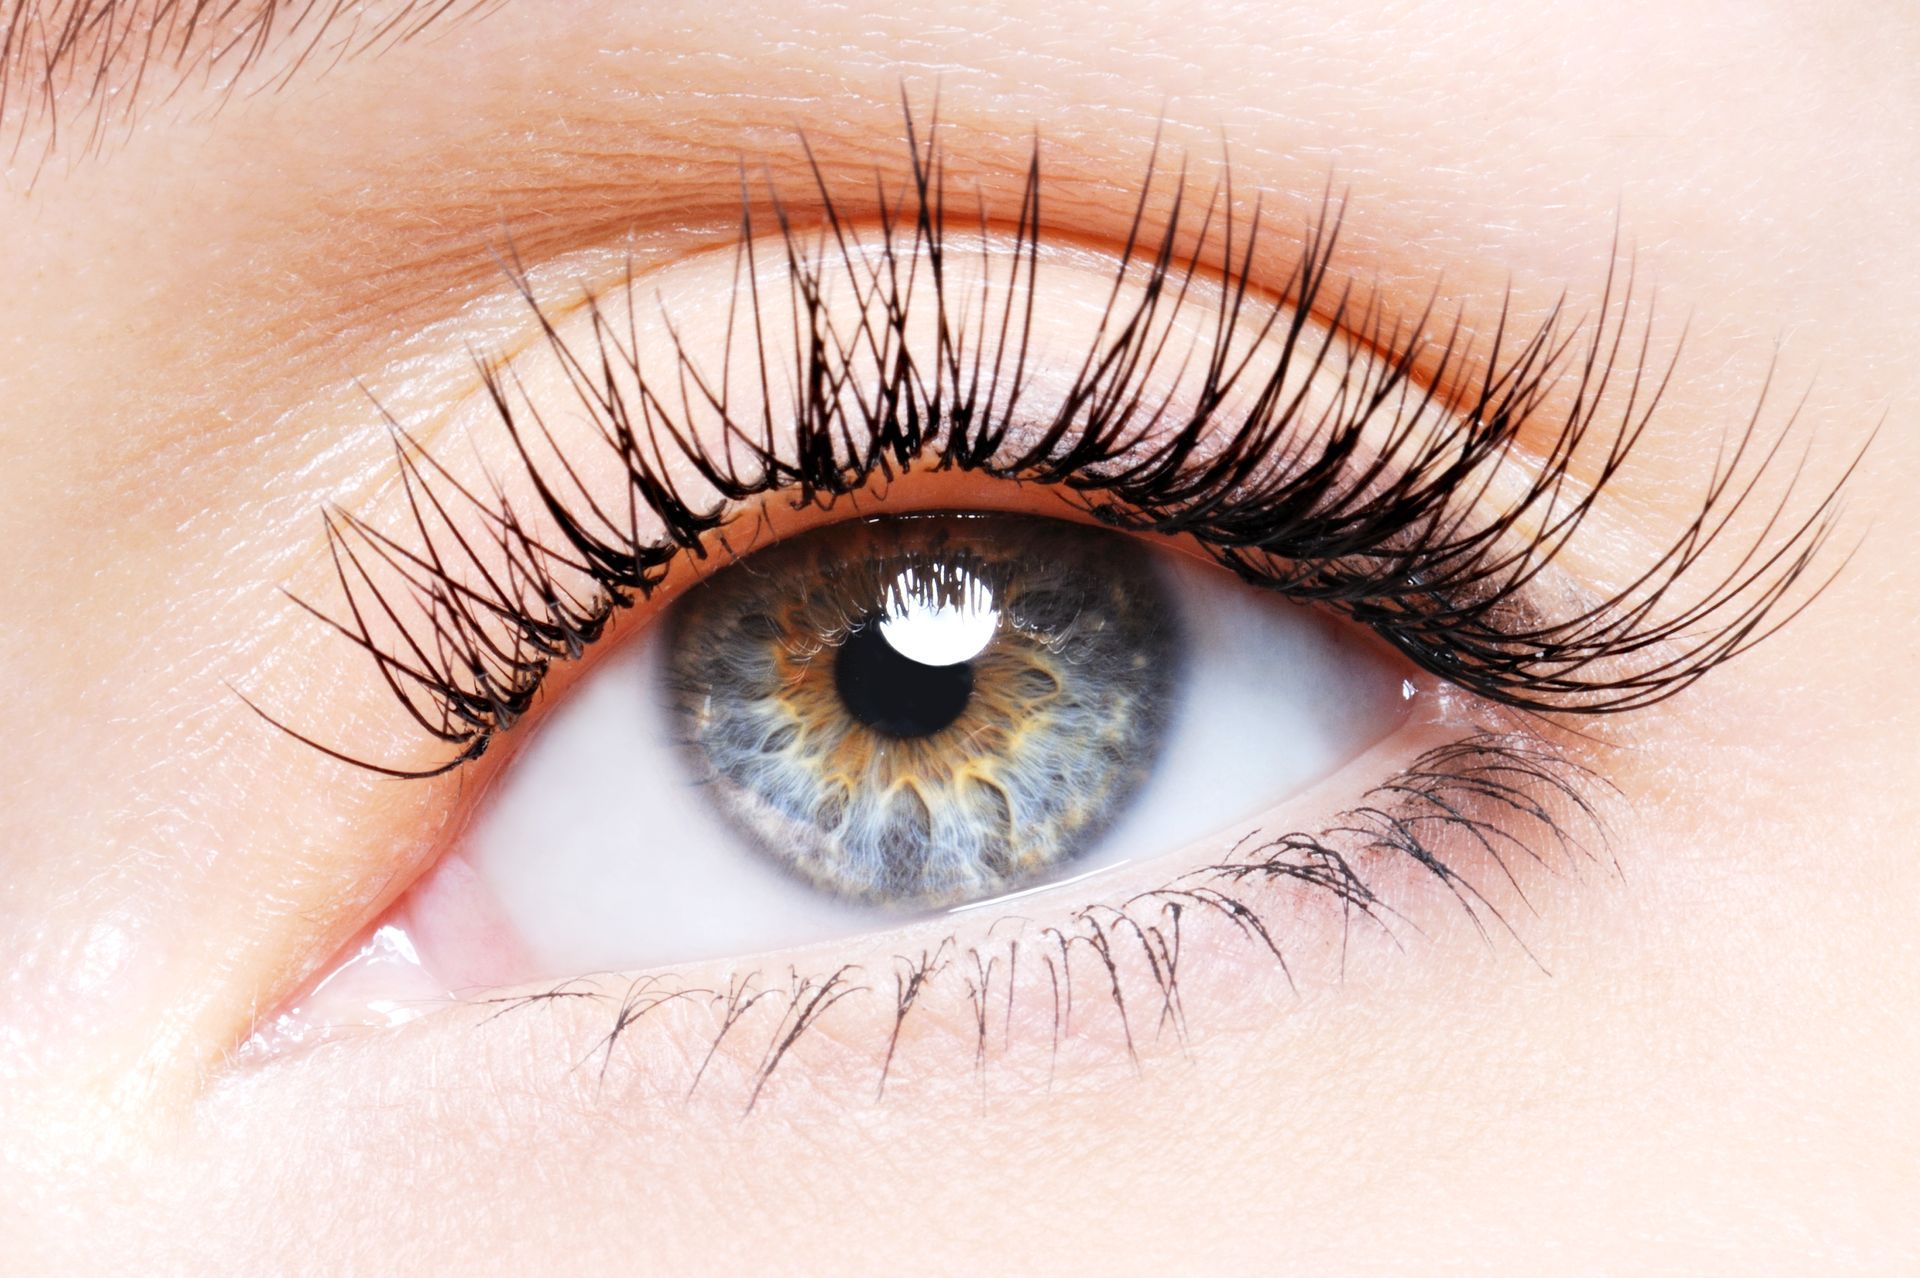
873	721
898	716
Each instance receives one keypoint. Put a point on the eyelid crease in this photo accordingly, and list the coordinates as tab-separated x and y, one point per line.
1304	498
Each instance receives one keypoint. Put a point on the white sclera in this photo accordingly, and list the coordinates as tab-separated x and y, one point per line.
605	855
1275	697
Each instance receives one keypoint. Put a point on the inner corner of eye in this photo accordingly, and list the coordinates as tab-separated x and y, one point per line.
884	719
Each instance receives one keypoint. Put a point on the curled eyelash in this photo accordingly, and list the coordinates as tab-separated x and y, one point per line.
1357	504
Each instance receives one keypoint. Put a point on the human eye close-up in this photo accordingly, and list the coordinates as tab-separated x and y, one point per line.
1089	641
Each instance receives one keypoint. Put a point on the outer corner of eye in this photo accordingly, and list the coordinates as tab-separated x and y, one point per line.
871	723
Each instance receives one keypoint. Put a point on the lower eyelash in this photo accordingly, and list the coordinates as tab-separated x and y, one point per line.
1500	793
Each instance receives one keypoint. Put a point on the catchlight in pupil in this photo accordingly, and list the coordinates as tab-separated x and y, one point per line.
907	672
939	618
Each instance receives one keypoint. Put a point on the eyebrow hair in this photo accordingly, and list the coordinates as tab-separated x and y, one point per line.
94	62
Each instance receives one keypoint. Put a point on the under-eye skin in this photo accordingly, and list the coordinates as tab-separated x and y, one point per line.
1191	405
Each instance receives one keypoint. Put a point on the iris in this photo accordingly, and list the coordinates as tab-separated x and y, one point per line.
925	710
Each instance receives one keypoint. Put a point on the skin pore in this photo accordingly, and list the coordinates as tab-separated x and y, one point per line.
1701	1056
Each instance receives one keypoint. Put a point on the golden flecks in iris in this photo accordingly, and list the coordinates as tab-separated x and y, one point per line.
1067	705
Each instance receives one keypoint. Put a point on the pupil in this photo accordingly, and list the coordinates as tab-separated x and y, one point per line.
894	694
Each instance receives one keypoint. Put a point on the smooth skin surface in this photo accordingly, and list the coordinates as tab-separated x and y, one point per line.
1705	1065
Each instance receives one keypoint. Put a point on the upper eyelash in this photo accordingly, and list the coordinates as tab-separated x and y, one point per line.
1399	541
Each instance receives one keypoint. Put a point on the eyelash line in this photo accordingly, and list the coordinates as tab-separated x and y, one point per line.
1396	541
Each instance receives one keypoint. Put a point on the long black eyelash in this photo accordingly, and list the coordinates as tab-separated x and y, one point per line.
1361	506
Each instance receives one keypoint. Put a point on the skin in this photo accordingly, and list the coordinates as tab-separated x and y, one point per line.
1698	1062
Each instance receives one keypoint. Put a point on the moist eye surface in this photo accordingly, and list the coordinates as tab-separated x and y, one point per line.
921	711
867	724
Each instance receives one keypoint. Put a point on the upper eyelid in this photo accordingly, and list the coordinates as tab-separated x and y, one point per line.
1507	397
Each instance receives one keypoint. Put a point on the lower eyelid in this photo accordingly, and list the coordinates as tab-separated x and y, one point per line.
1472	825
